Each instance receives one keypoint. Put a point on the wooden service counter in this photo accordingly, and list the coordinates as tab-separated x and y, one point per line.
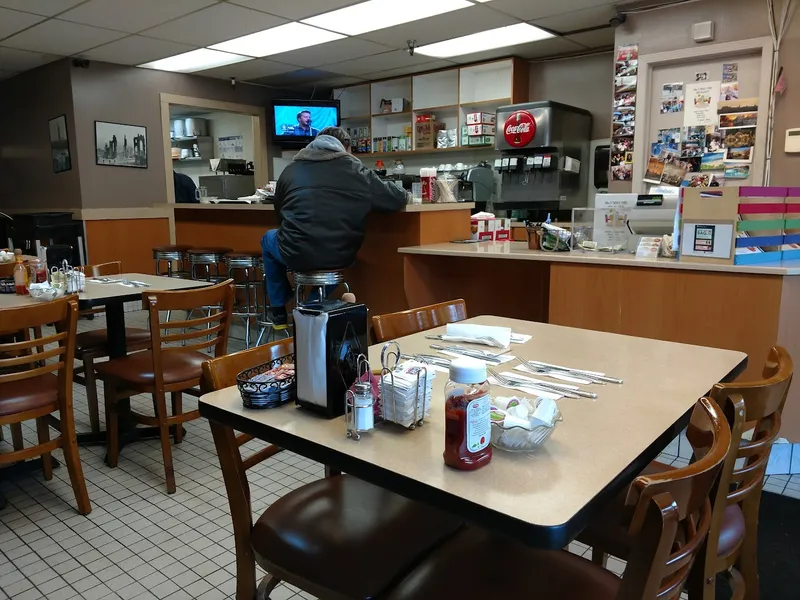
744	308
377	276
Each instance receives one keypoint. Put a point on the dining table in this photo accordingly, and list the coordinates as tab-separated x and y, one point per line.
544	498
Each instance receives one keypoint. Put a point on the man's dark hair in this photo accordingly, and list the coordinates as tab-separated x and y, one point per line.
301	112
339	133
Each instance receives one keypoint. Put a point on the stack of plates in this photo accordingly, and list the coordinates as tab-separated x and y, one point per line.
409	384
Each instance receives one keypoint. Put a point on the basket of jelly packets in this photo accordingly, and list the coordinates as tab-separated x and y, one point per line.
523	424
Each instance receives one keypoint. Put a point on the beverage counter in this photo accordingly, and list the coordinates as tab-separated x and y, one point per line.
744	308
377	276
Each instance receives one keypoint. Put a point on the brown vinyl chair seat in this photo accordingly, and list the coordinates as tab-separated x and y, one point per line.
96	341
347	537
609	528
209	250
172	248
137	369
539	574
28	394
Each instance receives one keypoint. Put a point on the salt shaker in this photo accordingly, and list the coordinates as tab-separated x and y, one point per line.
359	411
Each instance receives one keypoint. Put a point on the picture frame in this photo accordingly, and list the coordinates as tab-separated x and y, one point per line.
120	145
59	144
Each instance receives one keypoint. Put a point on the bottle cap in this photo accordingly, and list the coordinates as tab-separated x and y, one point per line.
467	370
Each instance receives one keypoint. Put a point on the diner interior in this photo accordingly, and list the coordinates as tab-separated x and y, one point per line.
340	299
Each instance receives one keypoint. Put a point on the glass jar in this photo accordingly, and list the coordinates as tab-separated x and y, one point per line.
467	426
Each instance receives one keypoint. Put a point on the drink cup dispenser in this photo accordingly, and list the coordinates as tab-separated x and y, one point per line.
544	161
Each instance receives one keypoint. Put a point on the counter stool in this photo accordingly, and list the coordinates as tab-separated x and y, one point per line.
317	281
167	256
201	261
244	269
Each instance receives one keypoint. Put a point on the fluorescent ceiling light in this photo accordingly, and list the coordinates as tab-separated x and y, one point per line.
380	14
522	33
196	60
278	39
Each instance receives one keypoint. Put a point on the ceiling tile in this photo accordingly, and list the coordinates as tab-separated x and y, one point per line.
331	52
296	9
292	78
580	19
602	38
441	27
22	60
341	81
247	70
12	21
131	16
135	50
48	8
431	66
379	62
61	37
529	9
218	23
549	47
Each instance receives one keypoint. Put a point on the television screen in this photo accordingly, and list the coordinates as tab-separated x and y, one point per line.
298	120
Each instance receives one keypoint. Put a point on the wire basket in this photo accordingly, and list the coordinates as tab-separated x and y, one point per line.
262	389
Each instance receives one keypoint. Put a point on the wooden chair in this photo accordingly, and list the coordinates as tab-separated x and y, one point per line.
36	381
395	325
167	367
338	538
731	548
667	516
93	345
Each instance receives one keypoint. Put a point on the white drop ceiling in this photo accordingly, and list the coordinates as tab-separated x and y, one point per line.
133	32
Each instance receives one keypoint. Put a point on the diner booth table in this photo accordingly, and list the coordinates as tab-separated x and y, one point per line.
543	499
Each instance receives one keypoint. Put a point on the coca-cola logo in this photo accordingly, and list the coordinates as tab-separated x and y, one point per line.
520	129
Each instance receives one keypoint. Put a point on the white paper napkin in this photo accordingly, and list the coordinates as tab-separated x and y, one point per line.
503	359
533	391
472	332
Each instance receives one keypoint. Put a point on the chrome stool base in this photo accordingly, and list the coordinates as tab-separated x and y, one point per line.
243	268
317	280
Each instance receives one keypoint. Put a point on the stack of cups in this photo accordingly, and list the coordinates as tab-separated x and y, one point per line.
428	177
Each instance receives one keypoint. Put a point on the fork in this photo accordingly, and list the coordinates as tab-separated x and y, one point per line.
562	375
519	384
490	341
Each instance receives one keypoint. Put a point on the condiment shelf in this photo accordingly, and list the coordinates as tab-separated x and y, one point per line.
428	151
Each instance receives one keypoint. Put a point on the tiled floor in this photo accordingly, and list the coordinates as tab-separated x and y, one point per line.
139	542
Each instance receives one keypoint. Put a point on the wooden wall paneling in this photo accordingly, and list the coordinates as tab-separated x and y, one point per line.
489	286
789	338
128	240
520	83
446	226
723	310
237	229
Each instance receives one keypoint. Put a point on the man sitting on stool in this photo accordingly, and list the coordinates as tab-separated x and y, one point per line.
322	200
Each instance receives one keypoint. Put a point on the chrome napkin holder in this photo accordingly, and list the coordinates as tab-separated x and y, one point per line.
390	357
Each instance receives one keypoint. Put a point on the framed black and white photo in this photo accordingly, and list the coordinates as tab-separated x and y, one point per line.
119	145
59	144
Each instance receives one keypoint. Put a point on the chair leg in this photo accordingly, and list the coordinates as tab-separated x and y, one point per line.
69	444
1	433
599	557
16	436
166	448
748	556
266	586
112	424
91	394
43	433
177	409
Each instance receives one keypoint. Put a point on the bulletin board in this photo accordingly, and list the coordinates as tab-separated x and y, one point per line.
701	121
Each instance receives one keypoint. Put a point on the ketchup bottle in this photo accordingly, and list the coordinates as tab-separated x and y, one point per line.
467	425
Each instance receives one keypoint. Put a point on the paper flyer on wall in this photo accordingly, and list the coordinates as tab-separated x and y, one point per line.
701	103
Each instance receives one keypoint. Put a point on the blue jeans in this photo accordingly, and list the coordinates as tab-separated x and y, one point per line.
278	288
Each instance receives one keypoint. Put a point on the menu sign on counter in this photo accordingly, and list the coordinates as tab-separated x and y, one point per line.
611	219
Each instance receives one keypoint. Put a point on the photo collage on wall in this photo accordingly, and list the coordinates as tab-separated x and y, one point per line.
715	144
626	75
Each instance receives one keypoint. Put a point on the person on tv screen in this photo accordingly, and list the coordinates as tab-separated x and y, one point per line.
322	200
303	126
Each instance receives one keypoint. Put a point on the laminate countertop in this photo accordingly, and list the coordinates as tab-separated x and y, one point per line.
519	251
411	208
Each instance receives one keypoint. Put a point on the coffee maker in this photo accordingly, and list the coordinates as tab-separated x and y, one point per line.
477	184
545	156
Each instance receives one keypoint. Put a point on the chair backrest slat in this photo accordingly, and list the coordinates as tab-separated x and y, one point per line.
395	325
104	269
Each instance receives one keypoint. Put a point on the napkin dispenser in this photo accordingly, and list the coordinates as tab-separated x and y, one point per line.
329	338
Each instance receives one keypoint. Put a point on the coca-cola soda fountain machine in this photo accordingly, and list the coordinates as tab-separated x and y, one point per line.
545	155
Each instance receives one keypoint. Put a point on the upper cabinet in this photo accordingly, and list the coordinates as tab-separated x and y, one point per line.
382	116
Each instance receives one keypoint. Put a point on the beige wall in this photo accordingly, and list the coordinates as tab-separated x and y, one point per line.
585	82
670	29
27	102
106	92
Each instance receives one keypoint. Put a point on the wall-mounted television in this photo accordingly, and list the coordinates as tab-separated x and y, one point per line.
297	122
